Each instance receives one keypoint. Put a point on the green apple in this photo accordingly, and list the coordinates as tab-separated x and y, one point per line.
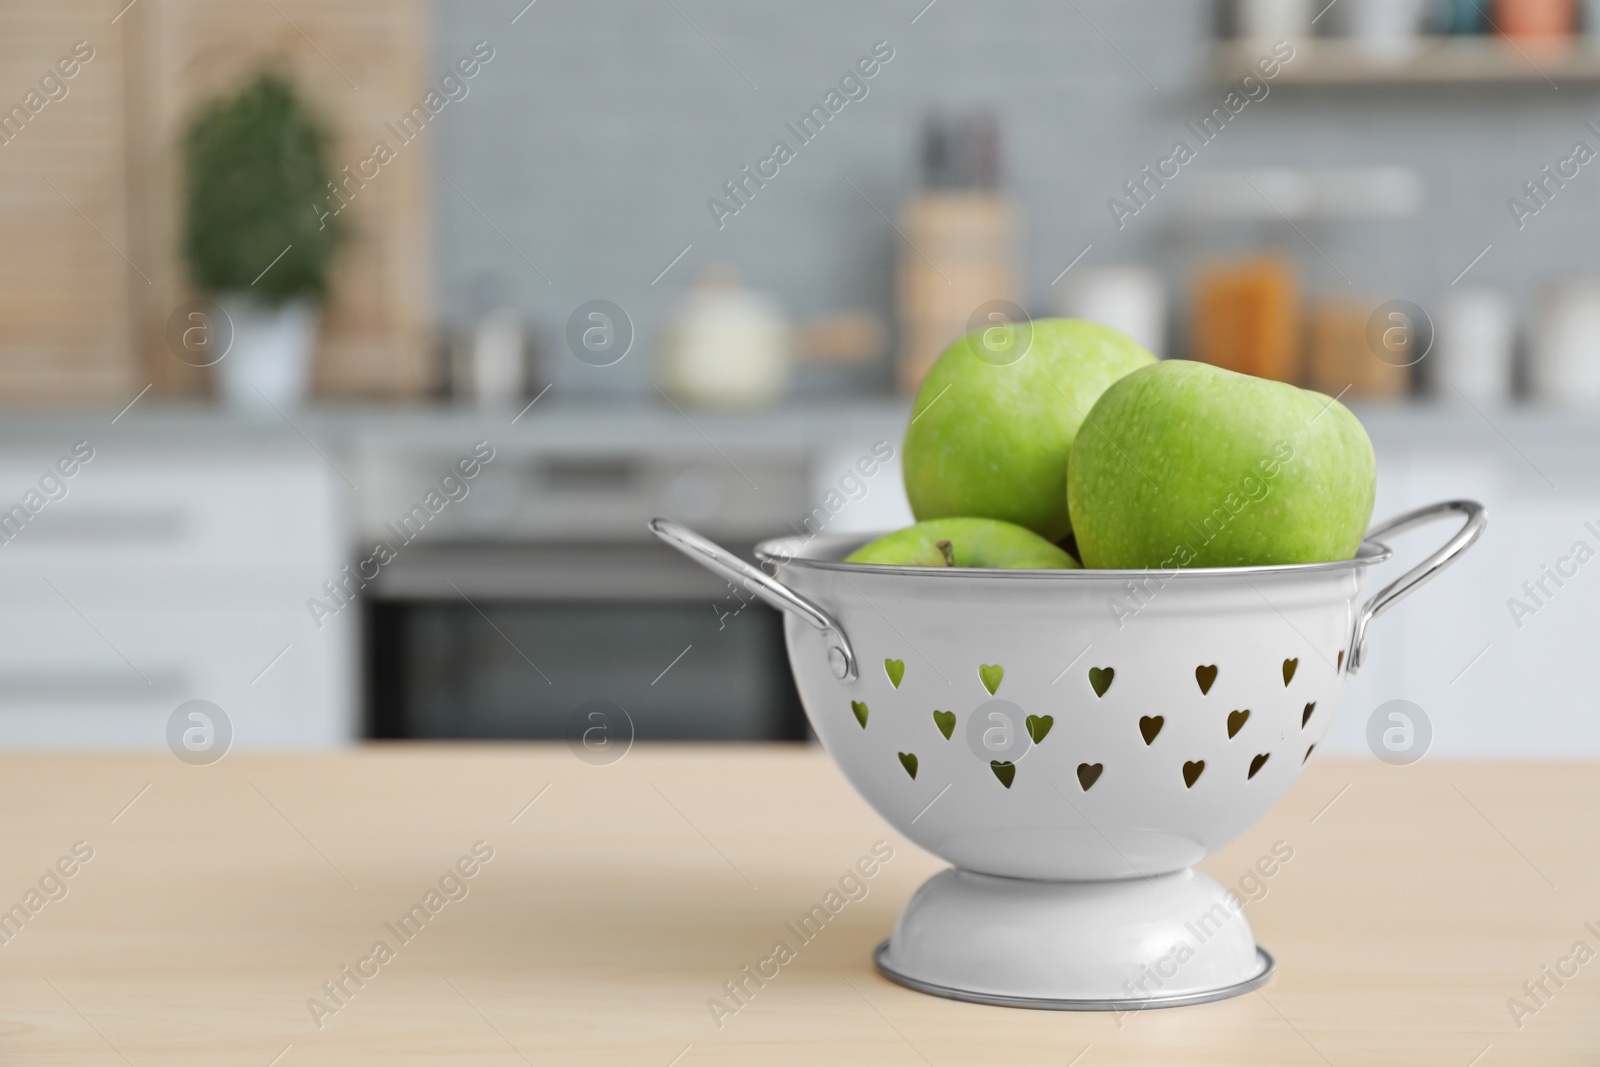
964	542
1189	465
996	415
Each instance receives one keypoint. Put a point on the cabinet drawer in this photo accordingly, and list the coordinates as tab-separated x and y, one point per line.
135	508
111	677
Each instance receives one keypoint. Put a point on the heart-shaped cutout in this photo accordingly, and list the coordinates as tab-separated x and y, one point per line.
1038	726
990	674
1150	726
1255	764
896	670
1236	721
1089	774
1340	665
1004	770
1100	678
908	760
1207	677
946	722
1307	756
861	712
1191	771
1305	716
1289	666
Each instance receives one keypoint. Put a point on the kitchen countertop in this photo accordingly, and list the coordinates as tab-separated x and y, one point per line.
568	422
619	899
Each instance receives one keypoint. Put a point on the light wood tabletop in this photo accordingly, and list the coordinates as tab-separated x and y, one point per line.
220	915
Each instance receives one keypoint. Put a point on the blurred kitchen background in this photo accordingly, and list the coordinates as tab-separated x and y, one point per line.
490	282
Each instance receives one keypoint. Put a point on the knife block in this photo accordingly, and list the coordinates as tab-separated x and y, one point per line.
959	254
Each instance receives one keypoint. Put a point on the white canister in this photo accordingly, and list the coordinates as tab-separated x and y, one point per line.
1384	23
1272	20
498	367
1128	298
1564	359
1474	334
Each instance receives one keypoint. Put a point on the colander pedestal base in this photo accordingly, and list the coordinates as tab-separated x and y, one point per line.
1161	941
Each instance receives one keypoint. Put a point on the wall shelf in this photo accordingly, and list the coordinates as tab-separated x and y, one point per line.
1426	60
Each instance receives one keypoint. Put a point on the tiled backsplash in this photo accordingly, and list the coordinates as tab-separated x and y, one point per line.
582	162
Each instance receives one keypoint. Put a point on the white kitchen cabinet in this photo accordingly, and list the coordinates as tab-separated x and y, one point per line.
1490	688
175	568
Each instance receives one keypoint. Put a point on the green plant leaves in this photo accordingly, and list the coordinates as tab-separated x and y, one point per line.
258	194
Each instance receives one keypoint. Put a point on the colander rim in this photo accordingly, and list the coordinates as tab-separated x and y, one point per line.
773	551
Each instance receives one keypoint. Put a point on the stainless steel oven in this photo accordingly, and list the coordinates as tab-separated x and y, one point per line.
538	600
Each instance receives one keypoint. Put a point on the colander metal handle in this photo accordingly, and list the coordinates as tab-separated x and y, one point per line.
1425	571
724	564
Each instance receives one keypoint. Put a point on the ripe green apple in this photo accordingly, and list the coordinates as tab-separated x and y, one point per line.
1190	465
964	542
996	415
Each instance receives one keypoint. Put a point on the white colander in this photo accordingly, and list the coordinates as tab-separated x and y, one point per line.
1073	741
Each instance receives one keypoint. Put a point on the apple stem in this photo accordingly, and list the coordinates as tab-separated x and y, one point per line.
948	553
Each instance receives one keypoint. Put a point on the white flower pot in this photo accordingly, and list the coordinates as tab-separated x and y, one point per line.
268	362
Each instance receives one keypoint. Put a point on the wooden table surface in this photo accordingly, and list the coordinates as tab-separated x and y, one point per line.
219	900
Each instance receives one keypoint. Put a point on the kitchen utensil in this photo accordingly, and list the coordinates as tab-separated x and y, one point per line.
1127	298
1474	335
1073	768
1564	358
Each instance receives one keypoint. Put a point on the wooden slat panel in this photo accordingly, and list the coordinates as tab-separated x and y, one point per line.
64	281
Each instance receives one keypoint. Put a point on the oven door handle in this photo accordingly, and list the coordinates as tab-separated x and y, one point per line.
724	564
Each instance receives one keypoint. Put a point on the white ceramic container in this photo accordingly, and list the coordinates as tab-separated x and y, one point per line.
1475	336
1072	741
1564	358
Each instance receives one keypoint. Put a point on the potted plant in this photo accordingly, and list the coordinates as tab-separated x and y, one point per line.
255	171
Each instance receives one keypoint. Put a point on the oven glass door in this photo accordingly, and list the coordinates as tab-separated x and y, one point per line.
501	660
